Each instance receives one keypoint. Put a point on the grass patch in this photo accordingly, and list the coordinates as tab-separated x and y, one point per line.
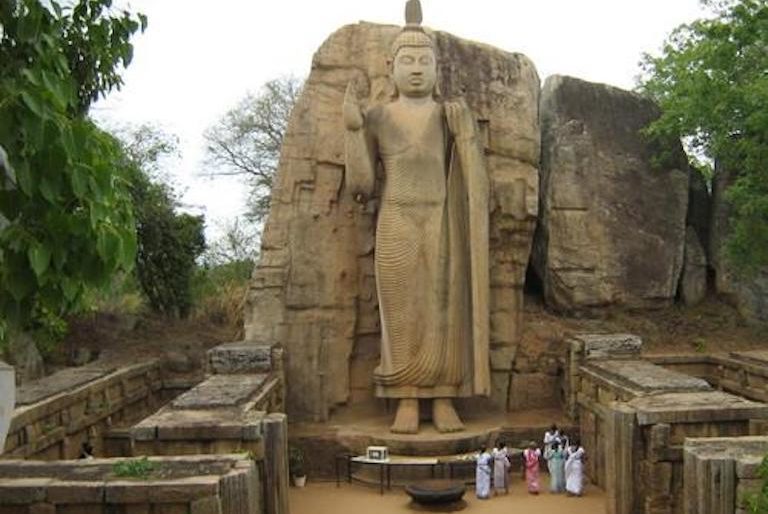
134	468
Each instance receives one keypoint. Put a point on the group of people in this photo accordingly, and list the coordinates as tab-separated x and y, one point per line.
564	458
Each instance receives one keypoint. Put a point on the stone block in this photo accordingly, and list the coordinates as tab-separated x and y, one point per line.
137	508
610	346
23	490
240	357
75	492
211	505
42	508
126	491
182	490
170	508
276	464
90	508
7	400
221	391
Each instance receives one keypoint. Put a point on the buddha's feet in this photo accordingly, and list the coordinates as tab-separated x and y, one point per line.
444	416
407	417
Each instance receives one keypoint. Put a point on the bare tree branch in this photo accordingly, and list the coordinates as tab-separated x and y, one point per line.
246	141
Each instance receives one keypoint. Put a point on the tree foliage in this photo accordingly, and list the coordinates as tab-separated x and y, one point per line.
169	241
70	224
246	141
711	82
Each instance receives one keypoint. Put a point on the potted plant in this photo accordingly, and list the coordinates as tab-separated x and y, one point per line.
296	466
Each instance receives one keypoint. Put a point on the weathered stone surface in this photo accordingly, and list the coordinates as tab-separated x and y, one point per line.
7	399
642	377
699	206
276	464
748	294
609	346
696	408
693	280
240	357
719	470
612	228
221	391
62	381
313	291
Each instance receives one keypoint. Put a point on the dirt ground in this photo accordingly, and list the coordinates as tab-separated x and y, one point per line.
326	498
710	327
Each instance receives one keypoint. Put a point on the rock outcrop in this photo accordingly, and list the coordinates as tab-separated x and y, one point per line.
748	293
612	229
693	280
313	291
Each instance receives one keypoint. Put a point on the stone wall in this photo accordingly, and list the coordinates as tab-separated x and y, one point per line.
613	224
223	484
721	472
742	373
313	291
634	418
55	415
236	410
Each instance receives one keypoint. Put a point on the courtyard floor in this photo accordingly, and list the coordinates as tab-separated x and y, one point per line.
326	498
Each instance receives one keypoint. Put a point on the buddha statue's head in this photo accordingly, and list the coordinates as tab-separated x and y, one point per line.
414	64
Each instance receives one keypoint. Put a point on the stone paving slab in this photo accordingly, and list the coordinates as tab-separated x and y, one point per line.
60	382
699	407
645	377
221	391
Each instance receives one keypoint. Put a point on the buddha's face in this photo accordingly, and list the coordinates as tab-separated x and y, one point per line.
414	71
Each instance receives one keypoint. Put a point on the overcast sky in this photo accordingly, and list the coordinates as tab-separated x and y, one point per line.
198	58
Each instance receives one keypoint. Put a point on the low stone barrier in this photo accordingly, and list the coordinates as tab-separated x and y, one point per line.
743	373
634	418
721	472
55	415
228	412
221	484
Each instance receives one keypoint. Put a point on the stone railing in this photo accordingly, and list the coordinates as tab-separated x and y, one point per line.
221	484
56	414
742	373
721	472
634	418
238	409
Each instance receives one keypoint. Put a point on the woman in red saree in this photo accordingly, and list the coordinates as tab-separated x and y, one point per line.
531	457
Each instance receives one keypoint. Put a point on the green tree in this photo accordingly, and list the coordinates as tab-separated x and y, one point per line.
246	141
69	220
711	82
169	241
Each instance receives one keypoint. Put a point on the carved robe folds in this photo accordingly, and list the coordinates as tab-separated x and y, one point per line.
431	254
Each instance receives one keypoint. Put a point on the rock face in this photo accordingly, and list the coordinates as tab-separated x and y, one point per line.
693	281
612	227
748	294
313	291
